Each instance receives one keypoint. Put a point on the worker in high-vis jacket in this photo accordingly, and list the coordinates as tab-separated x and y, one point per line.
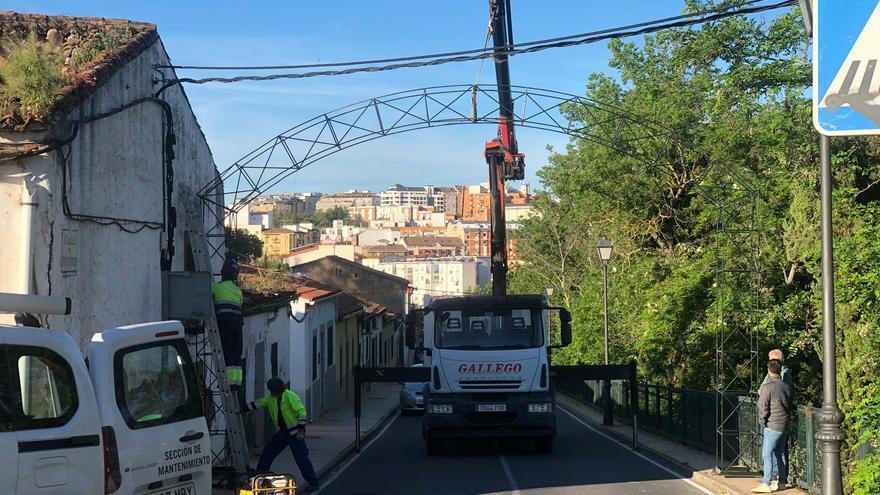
288	416
227	306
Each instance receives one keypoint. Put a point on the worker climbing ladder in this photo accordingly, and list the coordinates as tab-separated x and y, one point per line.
228	443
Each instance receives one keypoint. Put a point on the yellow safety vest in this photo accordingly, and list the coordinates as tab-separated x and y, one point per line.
227	297
292	408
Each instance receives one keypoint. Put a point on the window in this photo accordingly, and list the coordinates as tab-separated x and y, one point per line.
274	359
331	342
37	388
155	384
489	329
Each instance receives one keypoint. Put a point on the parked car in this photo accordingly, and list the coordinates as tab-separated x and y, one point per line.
412	399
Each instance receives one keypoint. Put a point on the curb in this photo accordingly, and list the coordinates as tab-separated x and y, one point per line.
699	477
348	450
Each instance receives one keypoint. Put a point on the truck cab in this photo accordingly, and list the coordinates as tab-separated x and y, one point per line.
489	368
128	421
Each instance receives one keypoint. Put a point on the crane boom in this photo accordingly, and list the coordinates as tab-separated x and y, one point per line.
502	154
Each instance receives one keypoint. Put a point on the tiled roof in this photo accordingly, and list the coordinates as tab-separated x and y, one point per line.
64	35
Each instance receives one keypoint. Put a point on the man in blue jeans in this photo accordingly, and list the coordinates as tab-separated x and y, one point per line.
288	414
774	408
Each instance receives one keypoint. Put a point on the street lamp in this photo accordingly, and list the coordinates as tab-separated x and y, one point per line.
549	291
603	249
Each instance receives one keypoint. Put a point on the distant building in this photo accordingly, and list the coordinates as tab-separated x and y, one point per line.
340	233
452	199
477	202
346	200
384	251
376	236
312	252
399	195
433	246
431	278
279	205
279	242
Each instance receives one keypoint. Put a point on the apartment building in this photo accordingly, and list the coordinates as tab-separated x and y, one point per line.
347	200
432	278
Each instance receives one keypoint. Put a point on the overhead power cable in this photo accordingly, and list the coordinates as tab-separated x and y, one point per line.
691	19
513	48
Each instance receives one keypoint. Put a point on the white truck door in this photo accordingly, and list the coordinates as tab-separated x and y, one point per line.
53	414
148	395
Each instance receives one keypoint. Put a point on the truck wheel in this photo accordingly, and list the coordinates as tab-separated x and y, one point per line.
432	446
544	445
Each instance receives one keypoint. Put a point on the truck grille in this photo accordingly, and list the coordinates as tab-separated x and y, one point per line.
489	384
490	418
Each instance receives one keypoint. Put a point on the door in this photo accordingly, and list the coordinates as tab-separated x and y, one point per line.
148	397
50	407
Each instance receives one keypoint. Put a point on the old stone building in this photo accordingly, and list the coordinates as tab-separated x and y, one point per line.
94	192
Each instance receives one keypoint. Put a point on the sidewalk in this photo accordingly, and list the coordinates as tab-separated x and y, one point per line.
331	437
698	466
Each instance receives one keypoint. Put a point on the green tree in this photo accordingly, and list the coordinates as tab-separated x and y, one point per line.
243	244
729	96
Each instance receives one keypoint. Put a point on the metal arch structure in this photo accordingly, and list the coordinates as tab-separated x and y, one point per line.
396	113
735	200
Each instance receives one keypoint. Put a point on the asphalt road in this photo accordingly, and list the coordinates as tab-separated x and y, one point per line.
583	461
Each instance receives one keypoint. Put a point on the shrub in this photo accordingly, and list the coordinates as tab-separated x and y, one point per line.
97	44
31	75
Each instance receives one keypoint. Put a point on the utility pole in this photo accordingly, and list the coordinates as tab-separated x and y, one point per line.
505	162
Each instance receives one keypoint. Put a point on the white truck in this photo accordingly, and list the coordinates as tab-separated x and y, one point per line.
128	420
489	369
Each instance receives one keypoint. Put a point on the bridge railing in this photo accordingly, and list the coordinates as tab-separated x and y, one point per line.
688	416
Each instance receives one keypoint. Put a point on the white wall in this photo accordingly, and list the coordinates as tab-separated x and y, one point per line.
303	382
115	169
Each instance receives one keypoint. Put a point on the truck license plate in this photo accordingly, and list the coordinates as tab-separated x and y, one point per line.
491	407
187	489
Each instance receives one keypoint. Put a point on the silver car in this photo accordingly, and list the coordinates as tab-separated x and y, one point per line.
411	398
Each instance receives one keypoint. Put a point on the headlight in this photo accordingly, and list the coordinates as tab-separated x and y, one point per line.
541	407
440	408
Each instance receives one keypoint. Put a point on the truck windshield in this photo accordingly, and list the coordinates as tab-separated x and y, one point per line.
489	329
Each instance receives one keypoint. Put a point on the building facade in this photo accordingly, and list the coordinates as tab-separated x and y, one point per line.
74	218
432	278
346	200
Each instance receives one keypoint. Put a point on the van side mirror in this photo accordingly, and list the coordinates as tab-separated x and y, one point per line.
565	327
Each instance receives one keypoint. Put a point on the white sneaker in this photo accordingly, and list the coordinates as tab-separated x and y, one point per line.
762	488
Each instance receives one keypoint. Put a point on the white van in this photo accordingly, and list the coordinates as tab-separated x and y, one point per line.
129	422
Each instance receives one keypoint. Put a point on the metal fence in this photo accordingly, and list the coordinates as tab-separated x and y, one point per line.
688	416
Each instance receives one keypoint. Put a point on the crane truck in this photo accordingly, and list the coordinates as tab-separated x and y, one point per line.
488	356
489	365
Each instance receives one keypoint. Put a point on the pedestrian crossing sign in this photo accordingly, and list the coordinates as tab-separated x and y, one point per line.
846	76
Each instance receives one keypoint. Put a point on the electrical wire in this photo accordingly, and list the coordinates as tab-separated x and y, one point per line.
693	19
485	49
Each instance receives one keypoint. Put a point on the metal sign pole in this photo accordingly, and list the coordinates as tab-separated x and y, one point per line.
830	436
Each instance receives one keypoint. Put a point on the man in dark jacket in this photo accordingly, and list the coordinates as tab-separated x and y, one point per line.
774	407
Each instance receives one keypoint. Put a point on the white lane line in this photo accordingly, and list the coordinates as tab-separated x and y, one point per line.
509	473
355	457
652	461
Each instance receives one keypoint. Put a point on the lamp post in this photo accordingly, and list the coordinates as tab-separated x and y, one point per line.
603	248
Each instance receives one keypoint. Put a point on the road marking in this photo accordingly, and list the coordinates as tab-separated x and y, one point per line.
509	473
652	461
355	457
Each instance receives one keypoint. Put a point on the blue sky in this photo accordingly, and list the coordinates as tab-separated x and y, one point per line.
238	118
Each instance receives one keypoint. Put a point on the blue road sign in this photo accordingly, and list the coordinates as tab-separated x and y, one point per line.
846	76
